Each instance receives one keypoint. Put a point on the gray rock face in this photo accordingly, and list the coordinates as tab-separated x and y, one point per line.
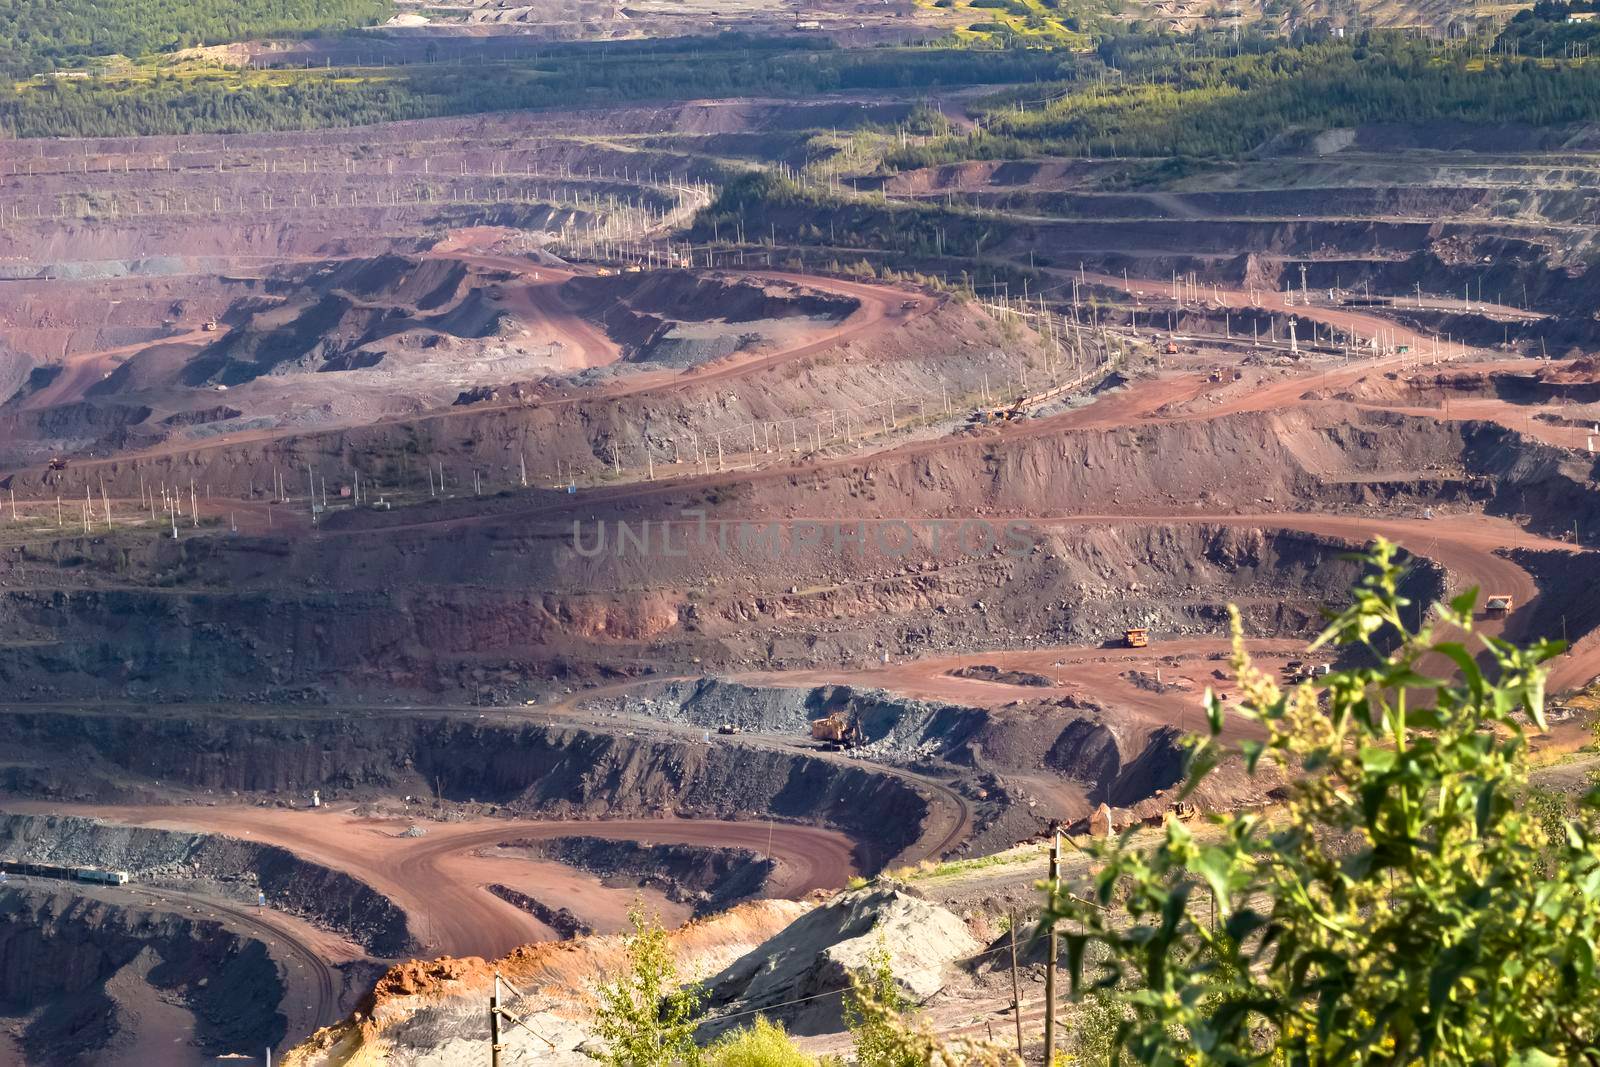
814	955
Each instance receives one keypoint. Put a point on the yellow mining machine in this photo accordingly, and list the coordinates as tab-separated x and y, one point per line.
838	730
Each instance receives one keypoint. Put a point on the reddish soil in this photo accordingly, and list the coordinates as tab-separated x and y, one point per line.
424	315
439	879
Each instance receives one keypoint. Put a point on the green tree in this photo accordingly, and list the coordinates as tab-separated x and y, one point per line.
1400	910
1093	1028
647	1017
761	1045
875	1012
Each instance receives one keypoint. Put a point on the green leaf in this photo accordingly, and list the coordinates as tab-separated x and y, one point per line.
1533	1058
1215	865
1377	760
1242	923
1468	666
1463	603
1203	759
1076	943
1485	806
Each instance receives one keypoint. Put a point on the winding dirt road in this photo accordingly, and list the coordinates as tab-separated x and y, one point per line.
440	879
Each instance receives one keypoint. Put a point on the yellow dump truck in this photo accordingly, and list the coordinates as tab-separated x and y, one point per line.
837	731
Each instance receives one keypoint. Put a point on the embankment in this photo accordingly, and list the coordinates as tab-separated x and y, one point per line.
328	898
72	967
562	771
712	879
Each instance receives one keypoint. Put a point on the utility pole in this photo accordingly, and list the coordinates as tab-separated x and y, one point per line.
1016	988
495	1044
1050	956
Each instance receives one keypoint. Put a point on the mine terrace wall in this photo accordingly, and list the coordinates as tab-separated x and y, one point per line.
60	950
549	770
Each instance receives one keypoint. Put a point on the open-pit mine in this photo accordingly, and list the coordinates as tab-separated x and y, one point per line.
422	542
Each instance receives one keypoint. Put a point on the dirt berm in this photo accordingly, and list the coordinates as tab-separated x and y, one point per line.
233	867
712	879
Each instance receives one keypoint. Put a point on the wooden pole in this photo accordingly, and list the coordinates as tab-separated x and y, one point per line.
1050	960
495	1045
1016	988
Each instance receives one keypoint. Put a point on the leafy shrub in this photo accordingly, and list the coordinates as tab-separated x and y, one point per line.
761	1045
1407	907
647	1017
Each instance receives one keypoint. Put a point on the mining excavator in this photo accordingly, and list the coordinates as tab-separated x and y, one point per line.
837	731
991	416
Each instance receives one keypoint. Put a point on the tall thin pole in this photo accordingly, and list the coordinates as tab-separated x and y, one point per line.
495	1045
1016	988
1050	962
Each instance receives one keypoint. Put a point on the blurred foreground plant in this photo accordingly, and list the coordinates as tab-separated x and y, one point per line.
1404	907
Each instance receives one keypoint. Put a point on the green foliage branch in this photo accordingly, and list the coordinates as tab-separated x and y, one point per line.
1405	908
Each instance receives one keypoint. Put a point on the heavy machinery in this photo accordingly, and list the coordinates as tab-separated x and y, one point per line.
1136	637
57	463
1498	605
209	326
1300	671
990	416
837	731
728	728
